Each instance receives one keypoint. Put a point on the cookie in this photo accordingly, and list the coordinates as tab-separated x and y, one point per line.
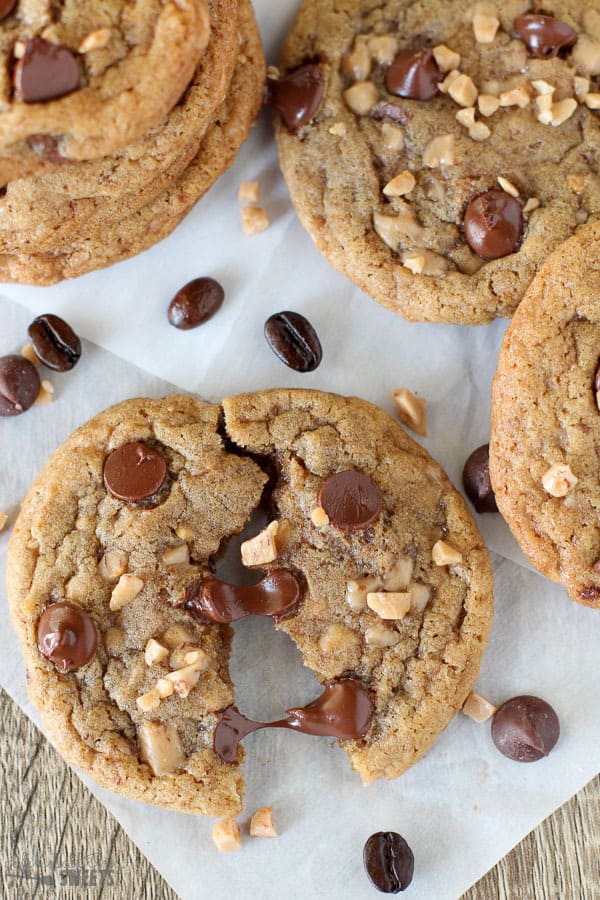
145	227
80	80
452	148
41	214
546	420
116	544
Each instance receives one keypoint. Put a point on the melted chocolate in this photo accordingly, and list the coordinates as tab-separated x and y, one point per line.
344	711
277	595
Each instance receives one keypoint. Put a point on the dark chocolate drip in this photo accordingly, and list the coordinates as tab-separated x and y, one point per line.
277	595
344	711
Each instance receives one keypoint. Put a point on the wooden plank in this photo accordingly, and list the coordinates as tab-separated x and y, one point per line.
54	834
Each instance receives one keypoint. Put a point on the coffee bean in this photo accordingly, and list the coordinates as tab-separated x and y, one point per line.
389	862
476	481
19	385
294	341
195	303
55	342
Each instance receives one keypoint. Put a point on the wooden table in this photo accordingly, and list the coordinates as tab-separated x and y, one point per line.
49	821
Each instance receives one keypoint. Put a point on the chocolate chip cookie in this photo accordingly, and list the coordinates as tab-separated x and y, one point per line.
437	151
370	561
41	214
80	79
546	420
128	235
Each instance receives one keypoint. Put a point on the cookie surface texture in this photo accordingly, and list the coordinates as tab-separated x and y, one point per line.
130	235
545	420
43	213
136	707
384	181
113	51
74	541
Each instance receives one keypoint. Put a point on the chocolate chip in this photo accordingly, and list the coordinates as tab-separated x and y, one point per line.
55	342
476	480
389	862
414	75
195	303
544	35
66	636
351	500
6	7
297	95
525	729
45	71
19	385
47	147
494	224
294	341
134	472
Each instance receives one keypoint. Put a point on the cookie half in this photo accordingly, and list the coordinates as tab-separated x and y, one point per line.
124	525
546	420
42	214
453	147
130	235
80	81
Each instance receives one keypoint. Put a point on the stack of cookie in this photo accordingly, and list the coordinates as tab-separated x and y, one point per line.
116	118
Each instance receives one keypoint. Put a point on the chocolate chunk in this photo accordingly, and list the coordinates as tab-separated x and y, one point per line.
344	710
134	472
494	224
278	595
351	500
47	147
525	729
389	862
6	7
297	95
476	481
544	35
19	385
55	342
66	636
195	303
294	341
414	74
45	72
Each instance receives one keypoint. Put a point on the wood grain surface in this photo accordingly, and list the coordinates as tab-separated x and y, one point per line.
56	840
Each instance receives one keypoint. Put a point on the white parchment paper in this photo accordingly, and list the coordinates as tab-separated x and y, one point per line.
464	806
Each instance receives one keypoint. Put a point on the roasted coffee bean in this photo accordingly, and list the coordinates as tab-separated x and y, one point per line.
294	341
389	862
195	303
55	342
476	481
525	729
19	385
